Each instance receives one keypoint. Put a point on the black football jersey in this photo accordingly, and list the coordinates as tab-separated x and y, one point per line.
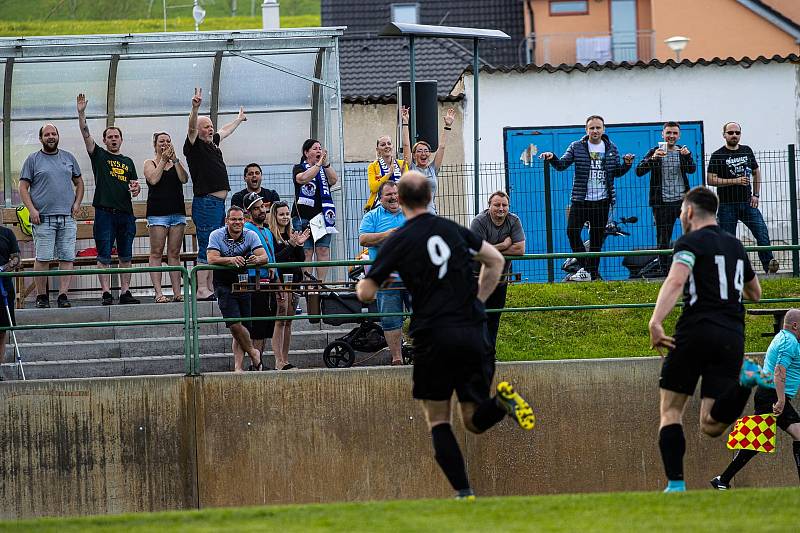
720	269
433	256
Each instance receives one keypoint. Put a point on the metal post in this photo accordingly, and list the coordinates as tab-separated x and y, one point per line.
187	321
475	124
412	116
194	368
548	222
793	208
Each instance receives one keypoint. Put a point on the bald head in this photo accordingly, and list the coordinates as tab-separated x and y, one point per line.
48	136
205	129
414	190
792	317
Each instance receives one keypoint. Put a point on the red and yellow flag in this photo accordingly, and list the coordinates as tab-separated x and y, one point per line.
755	432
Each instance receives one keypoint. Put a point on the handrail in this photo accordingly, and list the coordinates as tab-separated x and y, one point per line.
186	321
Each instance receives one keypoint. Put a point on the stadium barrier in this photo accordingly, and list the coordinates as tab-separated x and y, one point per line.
154	443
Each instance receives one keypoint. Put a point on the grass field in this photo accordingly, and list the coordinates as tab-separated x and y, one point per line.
762	510
607	333
90	27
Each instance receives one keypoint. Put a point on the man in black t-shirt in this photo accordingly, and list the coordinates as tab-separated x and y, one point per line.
733	169
252	180
116	182
712	270
210	184
448	324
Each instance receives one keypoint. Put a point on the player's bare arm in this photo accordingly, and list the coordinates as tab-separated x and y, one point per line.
492	263
667	297
752	290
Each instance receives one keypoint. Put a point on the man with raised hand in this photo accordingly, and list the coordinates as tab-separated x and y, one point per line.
452	353
210	183
711	269
46	184
116	182
783	362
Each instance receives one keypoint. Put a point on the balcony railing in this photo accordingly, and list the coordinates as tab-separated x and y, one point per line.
571	48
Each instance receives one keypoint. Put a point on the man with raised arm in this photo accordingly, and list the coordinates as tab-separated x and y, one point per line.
209	182
115	183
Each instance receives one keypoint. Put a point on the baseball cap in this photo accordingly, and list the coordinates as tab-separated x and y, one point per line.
250	199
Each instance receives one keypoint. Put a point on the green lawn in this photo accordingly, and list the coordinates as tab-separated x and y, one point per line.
608	333
141	9
762	510
90	27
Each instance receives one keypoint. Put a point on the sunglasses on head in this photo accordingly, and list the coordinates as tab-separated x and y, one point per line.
733	133
280	204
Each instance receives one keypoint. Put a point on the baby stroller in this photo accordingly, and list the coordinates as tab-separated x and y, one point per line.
366	337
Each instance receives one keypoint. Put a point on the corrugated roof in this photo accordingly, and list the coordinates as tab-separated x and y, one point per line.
655	63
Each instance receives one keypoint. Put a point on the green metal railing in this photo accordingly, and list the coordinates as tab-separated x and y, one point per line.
186	320
191	320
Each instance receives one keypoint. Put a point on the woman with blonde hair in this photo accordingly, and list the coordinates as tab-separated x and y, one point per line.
166	212
420	154
384	168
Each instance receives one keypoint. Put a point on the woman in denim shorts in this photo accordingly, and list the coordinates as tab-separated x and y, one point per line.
166	212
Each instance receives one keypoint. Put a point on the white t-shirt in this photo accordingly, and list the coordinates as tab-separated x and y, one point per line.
596	187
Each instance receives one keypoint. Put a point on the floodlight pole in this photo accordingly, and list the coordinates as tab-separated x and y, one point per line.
412	115
475	135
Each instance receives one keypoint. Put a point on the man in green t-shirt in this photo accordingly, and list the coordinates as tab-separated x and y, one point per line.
115	183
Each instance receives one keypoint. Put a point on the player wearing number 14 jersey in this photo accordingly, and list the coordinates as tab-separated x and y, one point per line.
711	267
452	352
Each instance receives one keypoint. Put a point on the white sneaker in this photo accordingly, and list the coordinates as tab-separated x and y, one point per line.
580	275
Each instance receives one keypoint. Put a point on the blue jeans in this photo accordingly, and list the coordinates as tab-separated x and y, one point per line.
729	213
208	214
392	301
111	225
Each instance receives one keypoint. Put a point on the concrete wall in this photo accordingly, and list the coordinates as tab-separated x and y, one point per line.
75	447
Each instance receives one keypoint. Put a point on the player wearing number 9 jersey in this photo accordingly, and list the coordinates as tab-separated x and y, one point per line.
712	269
452	352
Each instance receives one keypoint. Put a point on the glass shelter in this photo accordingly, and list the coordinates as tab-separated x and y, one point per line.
287	81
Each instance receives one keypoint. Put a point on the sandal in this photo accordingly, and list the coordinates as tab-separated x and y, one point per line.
178	298
162	300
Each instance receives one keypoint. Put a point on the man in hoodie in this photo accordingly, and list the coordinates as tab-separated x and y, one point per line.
597	163
669	165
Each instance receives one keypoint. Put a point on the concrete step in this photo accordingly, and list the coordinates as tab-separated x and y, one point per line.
169	364
151	346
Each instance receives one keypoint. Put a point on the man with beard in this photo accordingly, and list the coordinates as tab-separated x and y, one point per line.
115	183
733	169
712	270
252	181
46	184
262	302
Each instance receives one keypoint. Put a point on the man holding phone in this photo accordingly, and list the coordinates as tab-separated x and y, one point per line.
116	182
669	165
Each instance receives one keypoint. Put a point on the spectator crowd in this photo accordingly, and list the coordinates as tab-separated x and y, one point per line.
260	228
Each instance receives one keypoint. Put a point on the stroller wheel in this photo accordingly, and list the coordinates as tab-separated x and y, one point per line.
339	354
408	354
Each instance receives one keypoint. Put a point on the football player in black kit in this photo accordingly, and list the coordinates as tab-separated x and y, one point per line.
452	352
711	267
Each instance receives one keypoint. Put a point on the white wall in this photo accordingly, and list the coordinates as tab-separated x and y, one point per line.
763	98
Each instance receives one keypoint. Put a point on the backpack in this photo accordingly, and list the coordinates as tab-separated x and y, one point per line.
24	220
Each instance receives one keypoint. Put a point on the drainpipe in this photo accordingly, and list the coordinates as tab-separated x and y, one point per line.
270	14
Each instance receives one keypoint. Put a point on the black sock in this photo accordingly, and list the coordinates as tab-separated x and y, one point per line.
448	455
739	460
673	446
730	404
796	450
488	413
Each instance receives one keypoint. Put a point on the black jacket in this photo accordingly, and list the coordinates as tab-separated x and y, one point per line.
578	153
653	166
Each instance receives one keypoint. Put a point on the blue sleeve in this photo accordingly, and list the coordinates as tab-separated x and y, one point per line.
214	241
787	352
367	223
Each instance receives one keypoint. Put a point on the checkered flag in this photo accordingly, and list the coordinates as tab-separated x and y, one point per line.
755	433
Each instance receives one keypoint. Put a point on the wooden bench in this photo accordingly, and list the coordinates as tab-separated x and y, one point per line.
85	222
777	314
